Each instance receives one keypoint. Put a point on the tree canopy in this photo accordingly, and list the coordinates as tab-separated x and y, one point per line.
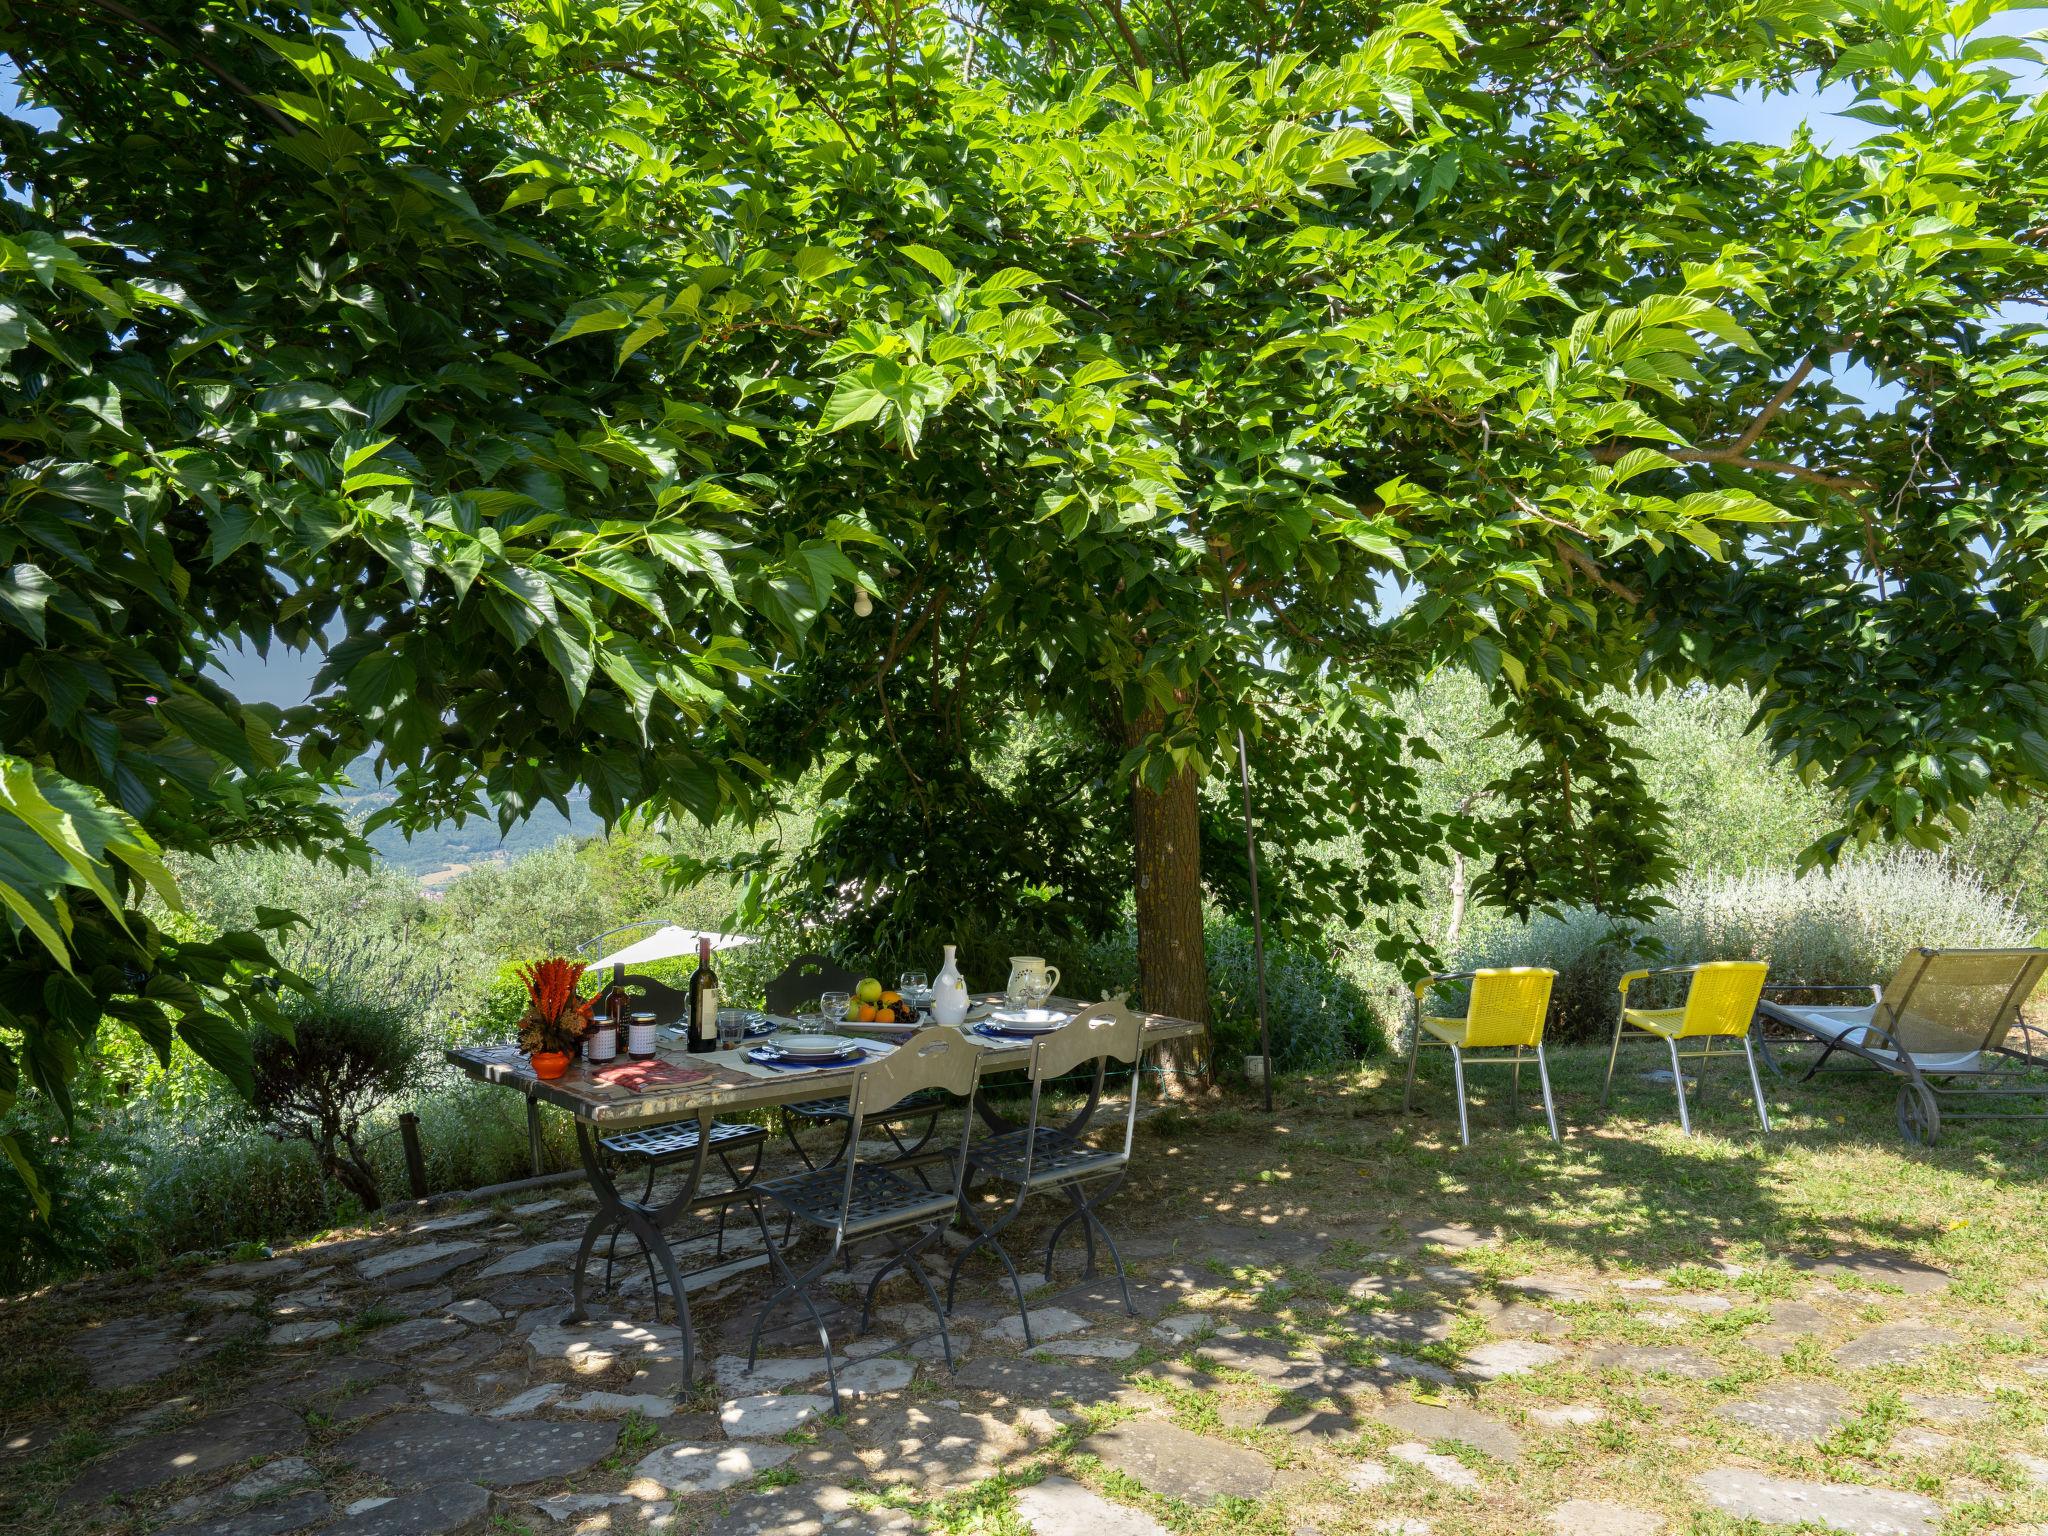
572	376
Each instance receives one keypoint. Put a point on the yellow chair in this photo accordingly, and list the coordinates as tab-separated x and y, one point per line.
1505	1012
1720	1003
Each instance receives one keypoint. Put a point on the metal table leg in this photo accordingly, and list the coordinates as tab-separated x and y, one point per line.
997	1122
645	1221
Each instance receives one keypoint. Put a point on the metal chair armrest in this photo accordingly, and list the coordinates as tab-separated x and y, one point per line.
1632	977
1436	978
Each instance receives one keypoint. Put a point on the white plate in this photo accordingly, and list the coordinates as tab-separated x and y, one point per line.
1031	1021
814	1047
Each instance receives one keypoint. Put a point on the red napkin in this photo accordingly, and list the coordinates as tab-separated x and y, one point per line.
639	1076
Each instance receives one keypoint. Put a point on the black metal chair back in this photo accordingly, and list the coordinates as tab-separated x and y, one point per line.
668	1004
804	980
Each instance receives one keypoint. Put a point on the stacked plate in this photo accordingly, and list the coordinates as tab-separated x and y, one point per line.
1022	1023
809	1050
1030	1021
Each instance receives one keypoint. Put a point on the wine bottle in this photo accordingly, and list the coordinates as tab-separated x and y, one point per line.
703	1020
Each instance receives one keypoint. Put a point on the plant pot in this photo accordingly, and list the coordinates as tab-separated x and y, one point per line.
549	1063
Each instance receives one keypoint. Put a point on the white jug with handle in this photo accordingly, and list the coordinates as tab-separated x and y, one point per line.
1031	980
949	993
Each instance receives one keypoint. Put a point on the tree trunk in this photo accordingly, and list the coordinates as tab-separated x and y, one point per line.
355	1173
1173	966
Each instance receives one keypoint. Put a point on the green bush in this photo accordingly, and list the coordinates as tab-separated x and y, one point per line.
352	1050
1850	924
473	1135
212	1182
1319	1017
86	1171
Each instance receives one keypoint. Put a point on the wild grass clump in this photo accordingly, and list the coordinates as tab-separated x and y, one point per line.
1849	924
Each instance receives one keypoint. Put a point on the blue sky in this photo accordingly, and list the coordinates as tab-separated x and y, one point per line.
1772	119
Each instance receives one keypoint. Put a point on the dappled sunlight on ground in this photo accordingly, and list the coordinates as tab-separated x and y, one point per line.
1342	1317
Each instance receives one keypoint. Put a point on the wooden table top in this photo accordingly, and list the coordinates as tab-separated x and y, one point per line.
723	1089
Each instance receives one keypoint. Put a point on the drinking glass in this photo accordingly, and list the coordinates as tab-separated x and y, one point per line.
914	986
833	1005
732	1027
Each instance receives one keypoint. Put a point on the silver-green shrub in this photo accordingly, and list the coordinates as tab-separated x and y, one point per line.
1849	924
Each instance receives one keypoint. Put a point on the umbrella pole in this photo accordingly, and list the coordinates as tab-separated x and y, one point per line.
1251	856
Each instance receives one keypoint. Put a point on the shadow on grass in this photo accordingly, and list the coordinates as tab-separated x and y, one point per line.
1626	1191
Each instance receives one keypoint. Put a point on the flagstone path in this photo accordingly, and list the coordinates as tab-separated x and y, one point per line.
418	1380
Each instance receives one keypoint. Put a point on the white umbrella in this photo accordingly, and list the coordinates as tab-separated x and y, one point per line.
668	943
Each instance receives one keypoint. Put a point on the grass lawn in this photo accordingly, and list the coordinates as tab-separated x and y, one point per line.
1637	1236
1386	1332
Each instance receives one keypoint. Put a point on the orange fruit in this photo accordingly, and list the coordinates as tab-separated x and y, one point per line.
867	1013
892	998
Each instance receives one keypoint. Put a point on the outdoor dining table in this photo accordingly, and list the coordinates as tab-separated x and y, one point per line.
600	1110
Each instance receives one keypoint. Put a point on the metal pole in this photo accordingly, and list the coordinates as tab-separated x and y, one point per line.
1251	855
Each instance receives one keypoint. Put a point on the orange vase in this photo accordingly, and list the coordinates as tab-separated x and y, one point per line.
549	1063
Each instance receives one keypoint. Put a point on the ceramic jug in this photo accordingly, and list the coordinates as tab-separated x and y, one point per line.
1031	980
949	993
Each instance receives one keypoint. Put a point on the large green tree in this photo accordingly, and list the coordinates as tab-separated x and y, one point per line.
562	373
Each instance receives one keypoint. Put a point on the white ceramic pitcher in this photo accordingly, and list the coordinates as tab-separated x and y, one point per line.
1031	980
949	993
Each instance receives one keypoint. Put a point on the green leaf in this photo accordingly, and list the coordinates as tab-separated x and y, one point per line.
931	261
287	399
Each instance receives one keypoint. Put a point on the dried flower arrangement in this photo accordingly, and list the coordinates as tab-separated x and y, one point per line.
554	1019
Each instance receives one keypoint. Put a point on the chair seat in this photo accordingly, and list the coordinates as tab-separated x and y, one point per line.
881	1197
1056	1157
663	1143
1450	1031
927	1101
1457	1031
1852	1026
1669	1024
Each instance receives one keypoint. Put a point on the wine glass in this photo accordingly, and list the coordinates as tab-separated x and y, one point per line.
914	987
833	1005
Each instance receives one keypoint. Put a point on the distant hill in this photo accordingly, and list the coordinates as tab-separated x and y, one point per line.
446	849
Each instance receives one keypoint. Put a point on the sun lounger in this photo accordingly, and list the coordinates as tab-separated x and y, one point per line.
1947	1024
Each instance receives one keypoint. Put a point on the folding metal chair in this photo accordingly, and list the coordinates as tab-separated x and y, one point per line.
858	1201
801	982
1720	1002
1505	1012
1041	1159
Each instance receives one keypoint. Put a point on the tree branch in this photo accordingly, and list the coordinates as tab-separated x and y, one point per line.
1737	460
212	66
1763	417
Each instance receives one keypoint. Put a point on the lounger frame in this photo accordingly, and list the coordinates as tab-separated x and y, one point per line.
1929	1094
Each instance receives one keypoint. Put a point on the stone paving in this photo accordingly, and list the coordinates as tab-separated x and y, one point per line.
418	1380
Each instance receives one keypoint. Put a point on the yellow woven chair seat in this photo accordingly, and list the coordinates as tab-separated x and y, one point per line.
1450	1031
1668	1022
